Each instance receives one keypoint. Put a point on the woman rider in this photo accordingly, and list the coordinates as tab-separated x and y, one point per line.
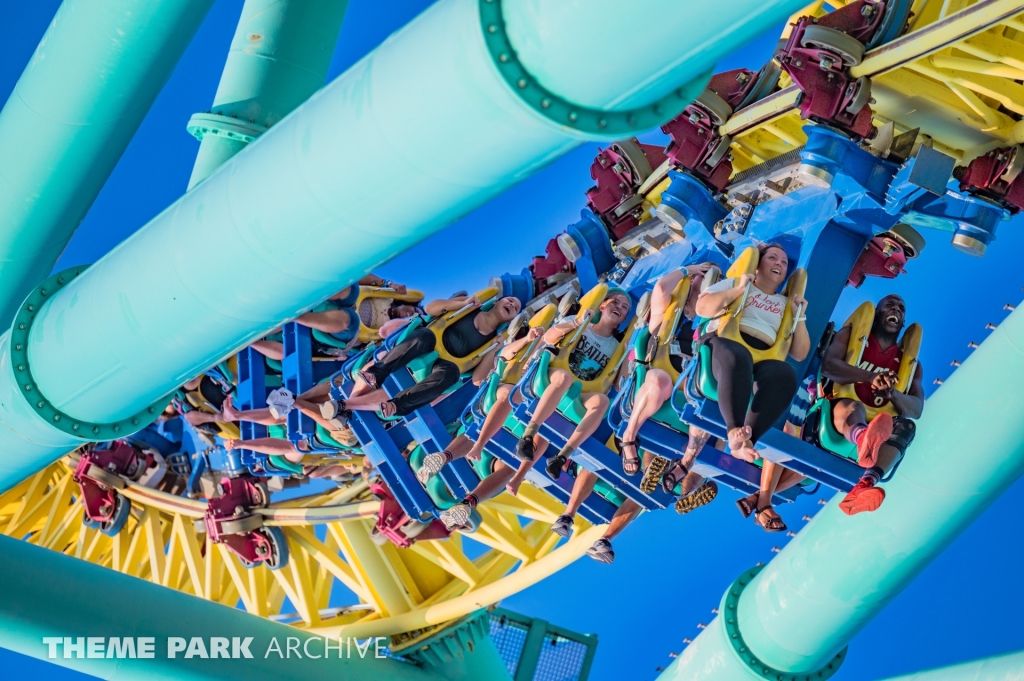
337	317
467	335
657	386
733	365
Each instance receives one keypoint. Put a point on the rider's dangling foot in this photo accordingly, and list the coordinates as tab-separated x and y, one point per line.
866	496
563	525
458	515
525	446
432	465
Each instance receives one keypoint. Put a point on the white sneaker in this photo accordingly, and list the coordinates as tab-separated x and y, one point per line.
280	402
432	465
457	516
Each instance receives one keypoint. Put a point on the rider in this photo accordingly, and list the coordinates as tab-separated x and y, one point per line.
467	335
588	359
733	365
338	318
881	442
657	389
493	422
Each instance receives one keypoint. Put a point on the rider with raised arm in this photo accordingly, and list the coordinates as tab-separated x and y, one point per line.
733	364
882	441
338	318
588	360
473	331
656	390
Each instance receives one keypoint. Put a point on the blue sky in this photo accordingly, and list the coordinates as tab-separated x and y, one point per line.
670	571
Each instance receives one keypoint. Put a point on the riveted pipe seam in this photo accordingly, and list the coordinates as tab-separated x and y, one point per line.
601	122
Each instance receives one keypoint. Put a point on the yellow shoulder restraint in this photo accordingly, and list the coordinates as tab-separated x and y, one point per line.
860	323
669	325
603	381
438	326
729	327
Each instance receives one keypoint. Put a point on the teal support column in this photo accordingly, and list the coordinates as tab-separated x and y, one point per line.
461	652
796	616
434	122
278	58
50	595
1007	667
530	654
91	81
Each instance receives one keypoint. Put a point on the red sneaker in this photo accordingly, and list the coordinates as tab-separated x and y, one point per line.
879	430
865	497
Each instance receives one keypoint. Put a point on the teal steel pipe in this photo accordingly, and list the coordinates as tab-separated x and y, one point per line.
278	58
806	605
1006	667
91	81
421	131
50	595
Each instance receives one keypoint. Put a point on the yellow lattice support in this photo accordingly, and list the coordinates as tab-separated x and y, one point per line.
332	555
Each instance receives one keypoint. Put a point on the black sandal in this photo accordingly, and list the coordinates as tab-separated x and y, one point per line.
671	479
633	461
769	524
388	409
368	378
746	508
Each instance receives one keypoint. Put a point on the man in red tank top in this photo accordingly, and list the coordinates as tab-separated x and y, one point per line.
880	443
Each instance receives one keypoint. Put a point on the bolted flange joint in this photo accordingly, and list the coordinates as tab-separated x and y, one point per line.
730	618
562	112
20	329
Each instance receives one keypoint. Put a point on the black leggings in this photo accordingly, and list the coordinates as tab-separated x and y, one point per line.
736	373
443	376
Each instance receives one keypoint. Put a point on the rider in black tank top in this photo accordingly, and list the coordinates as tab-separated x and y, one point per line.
462	338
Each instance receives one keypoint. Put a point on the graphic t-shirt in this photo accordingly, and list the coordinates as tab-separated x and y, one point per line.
591	354
762	314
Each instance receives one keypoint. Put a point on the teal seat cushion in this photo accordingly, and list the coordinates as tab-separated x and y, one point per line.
435	487
279	431
706	383
614	496
831	439
328	339
483	467
422	366
285	465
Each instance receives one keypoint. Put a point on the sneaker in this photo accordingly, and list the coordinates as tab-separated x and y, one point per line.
524	449
336	413
878	432
280	402
702	496
432	465
331	408
602	551
652	476
554	466
457	516
863	498
563	526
